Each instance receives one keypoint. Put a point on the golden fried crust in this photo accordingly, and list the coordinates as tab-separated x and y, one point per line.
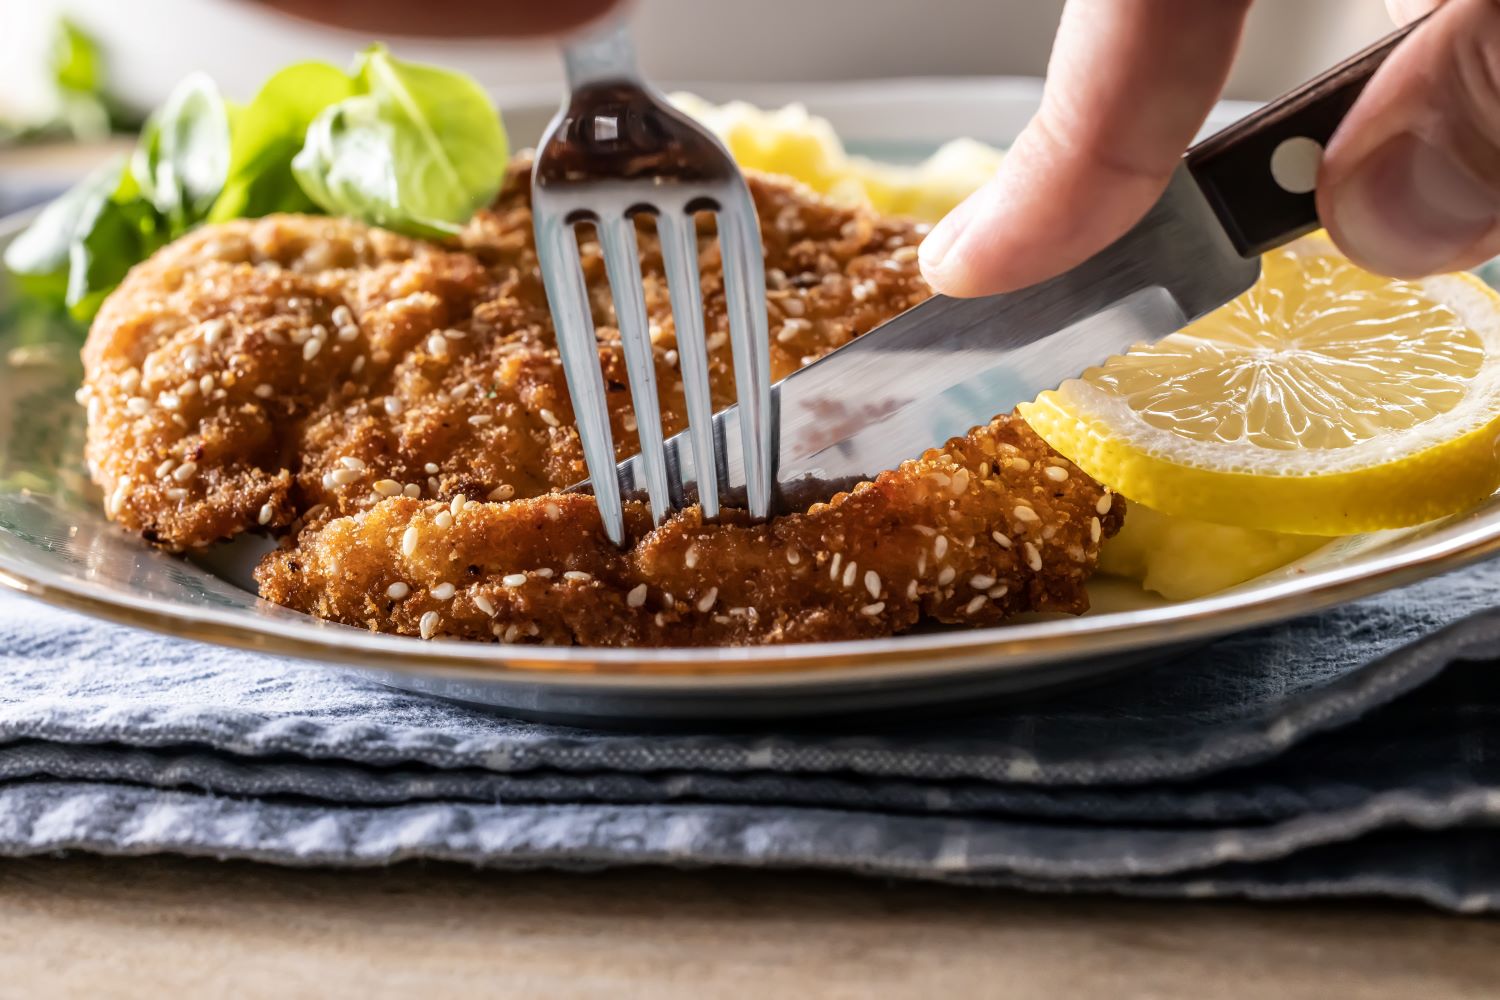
255	370
340	386
971	533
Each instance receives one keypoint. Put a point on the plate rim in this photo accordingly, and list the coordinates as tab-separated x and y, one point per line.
705	670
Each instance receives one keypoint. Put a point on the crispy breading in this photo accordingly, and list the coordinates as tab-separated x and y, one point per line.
333	384
972	533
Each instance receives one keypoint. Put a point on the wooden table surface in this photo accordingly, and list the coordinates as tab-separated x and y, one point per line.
157	927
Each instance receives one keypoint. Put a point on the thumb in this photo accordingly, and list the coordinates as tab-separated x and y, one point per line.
1411	181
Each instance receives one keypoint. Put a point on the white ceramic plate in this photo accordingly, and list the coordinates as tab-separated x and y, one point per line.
56	544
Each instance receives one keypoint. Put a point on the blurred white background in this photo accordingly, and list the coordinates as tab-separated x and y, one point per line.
153	43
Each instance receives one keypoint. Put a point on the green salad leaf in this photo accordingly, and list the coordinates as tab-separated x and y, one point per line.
410	147
418	149
267	133
182	159
76	63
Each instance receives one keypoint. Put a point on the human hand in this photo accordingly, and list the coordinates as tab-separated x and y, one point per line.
1409	185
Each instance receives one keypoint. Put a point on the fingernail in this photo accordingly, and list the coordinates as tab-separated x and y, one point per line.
946	233
1411	208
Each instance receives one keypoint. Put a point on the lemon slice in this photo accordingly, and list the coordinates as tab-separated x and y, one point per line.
1324	401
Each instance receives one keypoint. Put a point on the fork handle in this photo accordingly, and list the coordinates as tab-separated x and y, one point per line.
1260	173
603	53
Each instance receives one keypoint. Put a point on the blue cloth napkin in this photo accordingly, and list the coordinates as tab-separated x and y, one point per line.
1354	751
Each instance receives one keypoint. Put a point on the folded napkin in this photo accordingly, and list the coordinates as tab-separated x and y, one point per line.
1356	751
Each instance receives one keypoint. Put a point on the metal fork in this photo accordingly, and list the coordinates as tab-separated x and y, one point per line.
617	149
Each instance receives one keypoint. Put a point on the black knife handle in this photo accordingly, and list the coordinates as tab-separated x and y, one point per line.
1259	173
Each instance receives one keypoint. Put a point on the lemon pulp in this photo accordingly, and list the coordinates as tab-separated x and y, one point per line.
1323	401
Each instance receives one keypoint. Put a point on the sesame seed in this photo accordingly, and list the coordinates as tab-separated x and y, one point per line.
437	345
431	468
979	581
165	467
455	334
457	506
946	576
792	306
717	341
1096	530
904	254
460	391
484	604
176	493
350	462
872	582
392	406
513	579
411	490
925	529
1001	539
1105	503
342	316
1020	464
629	422
444	520
1057	475
480	419
998	592
311	348
911	590
358	365
690	557
707	600
409	540
834	564
548	417
940	547
553	511
397	591
188	388
502	492
429	624
922	563
213	330
793	557
136	406
348	333
512	633
185	471
432	484
974	605
960	482
670	358
443	591
578	576
169	401
849	573
871	610
266	513
387	487
1026	515
1033	558
265	390
637	596
130	381
206	384
343	477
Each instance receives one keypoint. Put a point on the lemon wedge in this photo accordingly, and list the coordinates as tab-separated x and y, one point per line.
1324	401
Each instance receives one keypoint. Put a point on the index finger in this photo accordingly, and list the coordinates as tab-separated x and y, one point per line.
1129	83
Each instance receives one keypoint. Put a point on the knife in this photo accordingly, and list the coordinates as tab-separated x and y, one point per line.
943	367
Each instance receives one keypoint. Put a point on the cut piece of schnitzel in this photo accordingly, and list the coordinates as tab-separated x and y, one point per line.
990	525
336	385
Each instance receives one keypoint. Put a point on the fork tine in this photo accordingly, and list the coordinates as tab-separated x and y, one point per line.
745	292
622	263
567	296
677	234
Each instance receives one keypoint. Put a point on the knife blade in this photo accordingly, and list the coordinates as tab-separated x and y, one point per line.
948	365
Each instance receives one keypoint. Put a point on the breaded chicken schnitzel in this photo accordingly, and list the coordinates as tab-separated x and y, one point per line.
396	411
